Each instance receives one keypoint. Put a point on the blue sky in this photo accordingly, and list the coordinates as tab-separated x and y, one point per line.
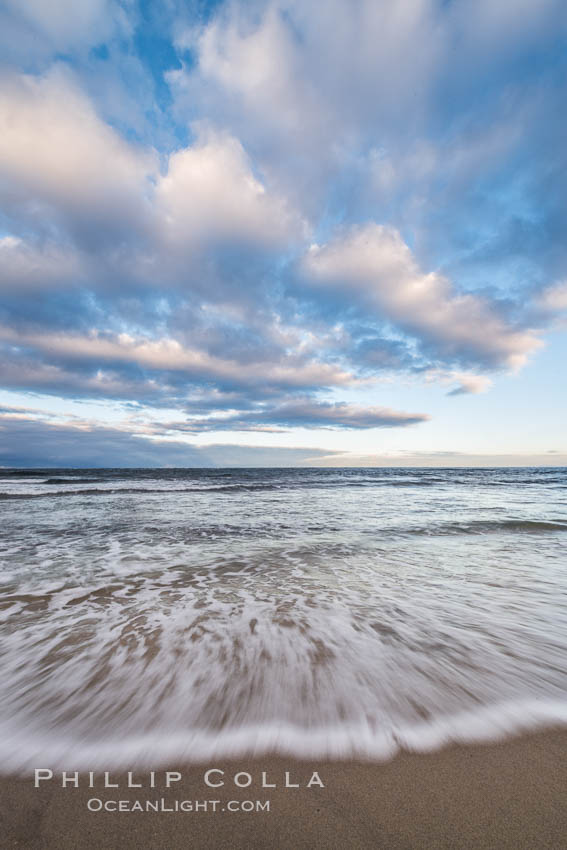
241	233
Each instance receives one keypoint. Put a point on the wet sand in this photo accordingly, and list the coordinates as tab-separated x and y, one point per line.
511	794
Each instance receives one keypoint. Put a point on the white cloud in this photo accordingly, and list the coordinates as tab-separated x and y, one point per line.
304	413
373	267
462	383
55	149
56	152
69	24
472	384
311	87
304	87
304	66
553	298
441	459
210	192
484	25
468	383
303	84
168	354
262	66
26	267
300	65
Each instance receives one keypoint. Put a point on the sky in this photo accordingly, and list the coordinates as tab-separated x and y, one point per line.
283	233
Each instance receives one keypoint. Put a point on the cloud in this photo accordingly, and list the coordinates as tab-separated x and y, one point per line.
28	373
169	355
59	160
301	74
373	268
159	192
464	383
65	24
442	460
61	163
304	413
211	192
33	267
471	384
312	88
302	87
31	443
553	299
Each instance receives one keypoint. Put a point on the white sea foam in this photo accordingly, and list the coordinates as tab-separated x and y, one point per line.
290	620
21	751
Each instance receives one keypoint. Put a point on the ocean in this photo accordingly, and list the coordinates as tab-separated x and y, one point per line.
155	617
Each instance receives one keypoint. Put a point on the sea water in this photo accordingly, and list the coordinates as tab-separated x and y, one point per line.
161	616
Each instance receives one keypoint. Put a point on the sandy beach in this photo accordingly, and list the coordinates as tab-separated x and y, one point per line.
504	795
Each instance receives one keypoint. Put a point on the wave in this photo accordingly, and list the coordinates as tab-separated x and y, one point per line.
76	481
433	529
313	622
45	483
113	491
94	491
21	751
517	526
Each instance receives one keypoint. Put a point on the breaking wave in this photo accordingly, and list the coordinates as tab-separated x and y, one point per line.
319	621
